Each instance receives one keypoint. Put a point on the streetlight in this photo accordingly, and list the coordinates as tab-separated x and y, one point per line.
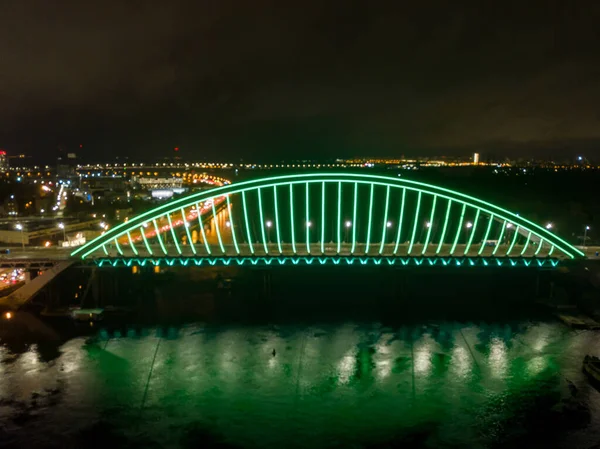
389	224
469	225
269	223
19	227
587	228
308	224
62	226
428	224
348	224
549	226
228	223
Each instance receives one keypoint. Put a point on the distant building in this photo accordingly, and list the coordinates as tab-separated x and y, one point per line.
475	158
65	164
3	160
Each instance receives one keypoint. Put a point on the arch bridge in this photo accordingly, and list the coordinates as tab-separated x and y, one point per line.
329	219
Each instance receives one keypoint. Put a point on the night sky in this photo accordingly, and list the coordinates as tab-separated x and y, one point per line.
258	79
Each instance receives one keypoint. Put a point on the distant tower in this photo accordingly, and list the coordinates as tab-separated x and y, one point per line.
475	158
3	160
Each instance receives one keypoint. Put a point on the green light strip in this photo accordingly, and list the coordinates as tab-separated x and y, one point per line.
146	241
462	217
164	250
323	218
354	218
173	234
526	243
385	219
499	239
214	211
400	220
468	247
277	220
201	223
104	249
229	212
487	234
307	224
414	231
339	219
370	222
486	207
539	247
118	247
262	220
439	247
187	231
292	218
131	245
551	250
431	216
246	221
514	241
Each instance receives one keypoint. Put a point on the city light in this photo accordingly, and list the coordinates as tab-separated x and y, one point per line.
348	224
228	224
389	224
308	224
428	224
549	225
8	315
587	228
19	227
269	223
61	225
509	225
469	225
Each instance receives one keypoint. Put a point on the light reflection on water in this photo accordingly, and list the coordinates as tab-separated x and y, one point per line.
341	383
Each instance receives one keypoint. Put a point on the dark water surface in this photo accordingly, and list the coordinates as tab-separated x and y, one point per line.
352	384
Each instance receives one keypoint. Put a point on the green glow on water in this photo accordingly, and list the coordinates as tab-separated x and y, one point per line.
415	224
385	218
232	225
430	227
370	219
458	229
244	206
445	226
400	218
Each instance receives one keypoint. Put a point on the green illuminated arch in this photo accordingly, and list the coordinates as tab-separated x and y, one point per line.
329	214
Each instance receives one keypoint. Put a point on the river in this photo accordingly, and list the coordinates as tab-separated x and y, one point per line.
353	384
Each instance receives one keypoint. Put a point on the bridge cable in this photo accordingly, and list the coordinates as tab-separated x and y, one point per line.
277	219
414	231
539	246
400	219
118	246
145	240
385	219
292	217
186	225
487	233
307	224
159	237
339	218
430	226
246	222
173	234
470	241
369	223
323	218
214	211
444	228
499	238
353	224
131	245
526	243
516	236
462	217
104	249
262	223
551	250
201	223
230	213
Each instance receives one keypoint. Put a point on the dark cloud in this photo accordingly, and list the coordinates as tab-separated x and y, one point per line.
230	78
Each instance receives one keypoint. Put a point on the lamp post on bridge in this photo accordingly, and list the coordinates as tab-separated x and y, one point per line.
19	227
269	224
62	226
347	227
587	228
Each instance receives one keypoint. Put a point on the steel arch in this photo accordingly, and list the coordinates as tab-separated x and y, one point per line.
395	207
